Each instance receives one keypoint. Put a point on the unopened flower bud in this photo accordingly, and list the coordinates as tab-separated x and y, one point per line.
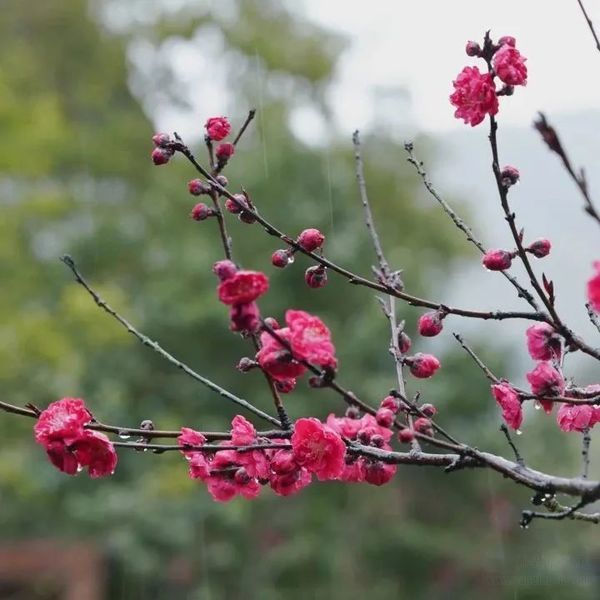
200	212
285	386
507	39
224	269
540	248
310	239
241	476
390	403
316	277
222	180
247	217
246	364
161	156
384	417
473	49
280	258
161	140
217	128
404	342
236	207
497	260
197	187
224	152
406	435
364	436
429	410
353	412
510	176
377	440
430	324
423	425
422	365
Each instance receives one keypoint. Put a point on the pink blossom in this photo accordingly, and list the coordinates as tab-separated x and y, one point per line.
286	481
576	417
277	360
422	365
543	342
474	96
593	288
162	140
509	65
63	419
545	380
95	451
423	425
430	324
310	338
217	128
318	448
391	403
384	417
508	400
507	39
243	287
406	435
497	260
225	481
190	437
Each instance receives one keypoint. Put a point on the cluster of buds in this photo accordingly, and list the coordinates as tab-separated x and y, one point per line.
163	149
217	129
501	260
239	206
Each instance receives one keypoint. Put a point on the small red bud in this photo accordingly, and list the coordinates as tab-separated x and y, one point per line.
224	151
224	269
246	217
390	403
285	386
280	258
222	180
197	187
236	207
310	239
423	425
241	476
497	260
377	440
429	410
161	156
384	417
507	39
246	364
540	248
200	212
430	324
406	435
161	140
422	365
510	176
404	342
316	277
473	49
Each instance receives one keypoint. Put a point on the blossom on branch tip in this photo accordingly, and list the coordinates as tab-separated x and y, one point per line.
243	287
474	96
473	49
310	338
217	128
545	380
508	400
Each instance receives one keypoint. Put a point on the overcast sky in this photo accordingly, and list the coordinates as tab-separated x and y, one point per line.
420	44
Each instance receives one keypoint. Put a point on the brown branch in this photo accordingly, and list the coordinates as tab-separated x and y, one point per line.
590	24
67	260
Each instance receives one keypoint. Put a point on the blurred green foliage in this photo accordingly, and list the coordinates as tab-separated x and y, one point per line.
75	177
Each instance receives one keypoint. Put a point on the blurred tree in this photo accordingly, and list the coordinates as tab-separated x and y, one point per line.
75	177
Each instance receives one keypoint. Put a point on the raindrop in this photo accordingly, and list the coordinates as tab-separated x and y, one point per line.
519	432
537	405
79	468
124	435
291	259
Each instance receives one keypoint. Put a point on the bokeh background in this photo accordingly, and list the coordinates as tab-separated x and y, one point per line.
83	85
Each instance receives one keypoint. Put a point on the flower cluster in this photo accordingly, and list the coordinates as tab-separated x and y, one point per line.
60	429
475	95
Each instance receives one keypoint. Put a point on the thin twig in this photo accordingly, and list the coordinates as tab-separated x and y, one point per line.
590	24
459	222
486	371
68	261
585	453
243	128
553	142
518	457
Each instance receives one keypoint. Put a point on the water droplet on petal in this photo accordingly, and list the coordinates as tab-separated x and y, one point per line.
519	432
